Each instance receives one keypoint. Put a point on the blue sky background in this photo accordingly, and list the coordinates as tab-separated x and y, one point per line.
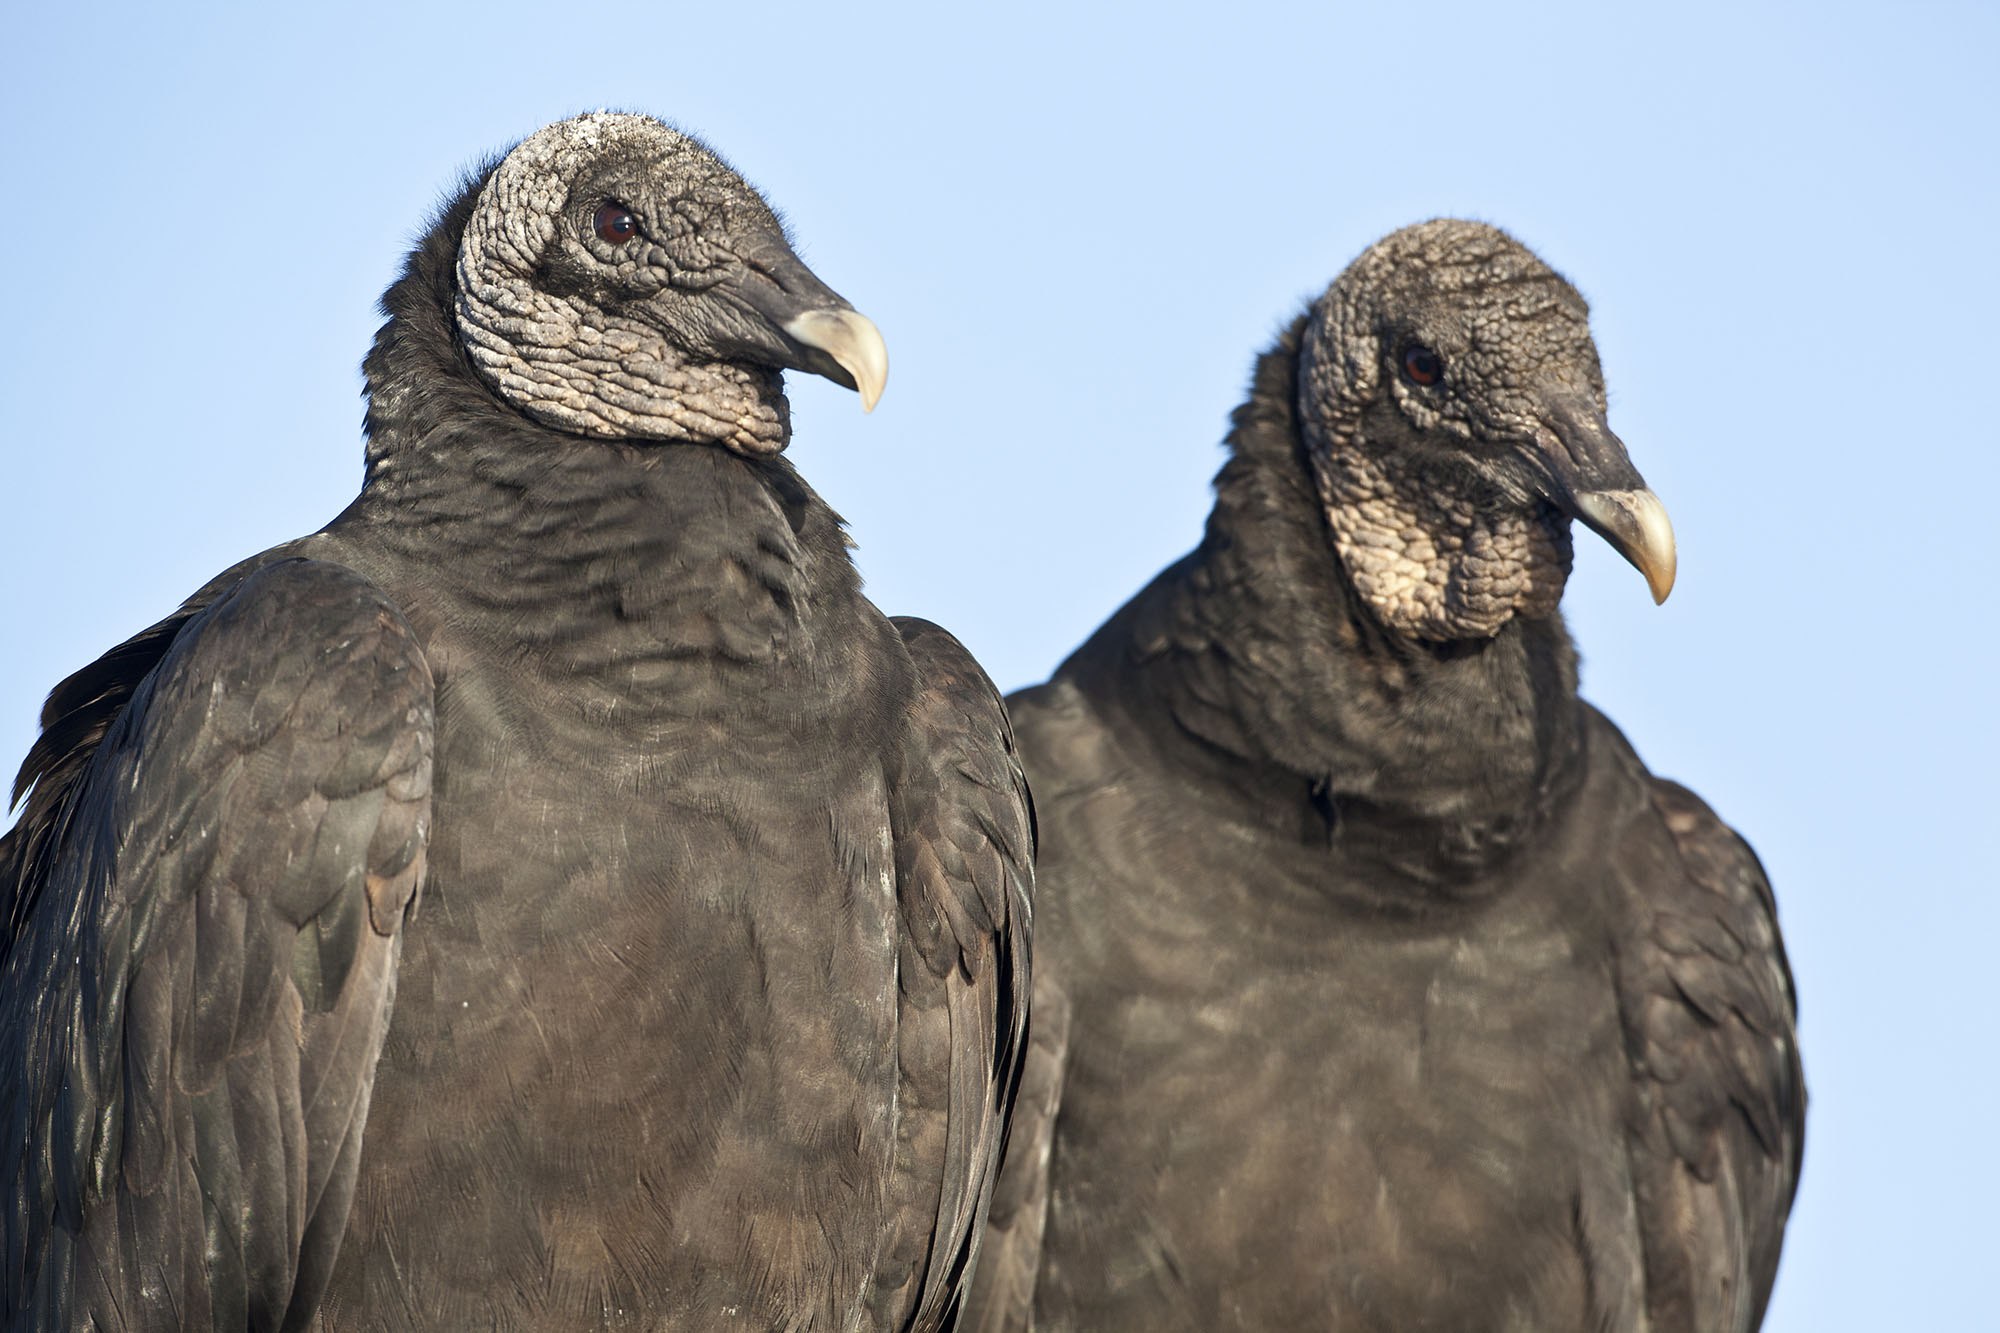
1075	230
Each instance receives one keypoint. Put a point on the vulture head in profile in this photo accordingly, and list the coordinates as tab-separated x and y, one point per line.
1454	413
618	279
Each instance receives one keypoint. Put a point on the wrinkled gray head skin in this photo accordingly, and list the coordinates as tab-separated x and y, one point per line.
1450	501
675	330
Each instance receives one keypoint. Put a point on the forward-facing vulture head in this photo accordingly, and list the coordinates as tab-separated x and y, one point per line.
616	279
1454	411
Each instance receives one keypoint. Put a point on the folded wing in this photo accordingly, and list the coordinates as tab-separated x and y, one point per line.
965	875
227	828
1709	1014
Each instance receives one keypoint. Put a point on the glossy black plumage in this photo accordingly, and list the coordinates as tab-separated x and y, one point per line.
714	1003
1379	985
204	957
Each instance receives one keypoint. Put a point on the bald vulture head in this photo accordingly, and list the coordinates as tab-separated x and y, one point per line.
1454	412
617	279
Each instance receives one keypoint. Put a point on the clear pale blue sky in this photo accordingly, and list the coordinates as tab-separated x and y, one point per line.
1075	231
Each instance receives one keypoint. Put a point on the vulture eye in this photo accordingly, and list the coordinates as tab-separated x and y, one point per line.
1422	365
615	223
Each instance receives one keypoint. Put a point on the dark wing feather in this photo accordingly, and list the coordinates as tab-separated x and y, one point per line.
78	713
1710	1021
1010	1259
965	875
207	905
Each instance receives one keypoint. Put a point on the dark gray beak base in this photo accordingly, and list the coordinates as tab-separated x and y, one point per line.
821	334
1591	478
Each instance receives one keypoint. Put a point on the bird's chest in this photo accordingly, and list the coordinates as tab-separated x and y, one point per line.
565	806
646	1009
705	837
1396	1110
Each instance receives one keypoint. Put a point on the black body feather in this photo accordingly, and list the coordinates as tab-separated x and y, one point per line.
712	1013
1384	988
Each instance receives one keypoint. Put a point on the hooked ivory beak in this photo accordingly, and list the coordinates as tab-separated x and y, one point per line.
855	344
1636	525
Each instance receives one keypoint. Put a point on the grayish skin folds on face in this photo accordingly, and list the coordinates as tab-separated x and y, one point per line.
1423	485
602	339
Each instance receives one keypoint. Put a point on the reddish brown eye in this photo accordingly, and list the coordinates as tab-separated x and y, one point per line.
1422	365
615	223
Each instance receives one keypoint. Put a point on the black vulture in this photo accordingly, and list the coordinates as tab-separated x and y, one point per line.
1380	986
550	896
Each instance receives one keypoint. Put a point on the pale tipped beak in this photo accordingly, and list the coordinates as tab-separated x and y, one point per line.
1637	526
854	343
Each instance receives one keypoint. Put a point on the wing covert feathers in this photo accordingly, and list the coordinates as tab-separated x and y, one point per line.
208	901
965	874
1710	1012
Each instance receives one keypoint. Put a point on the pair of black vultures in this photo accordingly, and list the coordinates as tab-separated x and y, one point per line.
552	897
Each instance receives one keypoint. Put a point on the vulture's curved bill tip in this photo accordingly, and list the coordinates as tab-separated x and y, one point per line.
852	340
1637	526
